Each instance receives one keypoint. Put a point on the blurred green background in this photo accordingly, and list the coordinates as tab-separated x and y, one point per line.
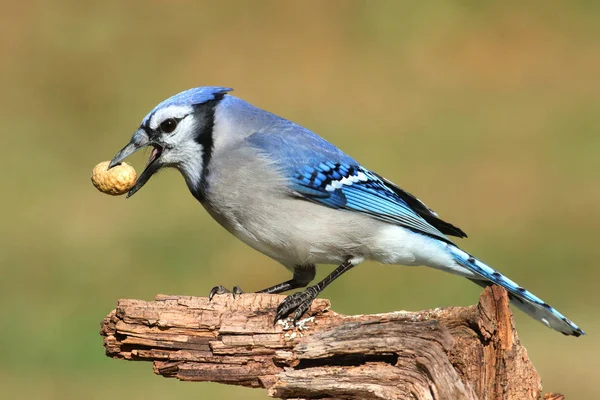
488	112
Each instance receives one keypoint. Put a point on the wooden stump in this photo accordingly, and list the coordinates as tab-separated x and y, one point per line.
446	353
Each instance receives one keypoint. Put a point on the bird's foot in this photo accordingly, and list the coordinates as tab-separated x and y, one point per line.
297	303
223	290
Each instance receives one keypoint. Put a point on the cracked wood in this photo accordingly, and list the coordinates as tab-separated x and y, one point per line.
446	353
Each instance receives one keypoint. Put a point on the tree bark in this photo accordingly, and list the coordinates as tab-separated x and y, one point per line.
445	353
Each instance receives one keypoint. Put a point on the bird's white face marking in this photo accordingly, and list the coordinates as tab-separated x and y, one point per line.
182	138
181	151
174	111
181	144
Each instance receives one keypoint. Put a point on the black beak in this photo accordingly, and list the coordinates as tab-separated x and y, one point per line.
139	140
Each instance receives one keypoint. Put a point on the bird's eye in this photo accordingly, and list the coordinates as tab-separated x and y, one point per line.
168	125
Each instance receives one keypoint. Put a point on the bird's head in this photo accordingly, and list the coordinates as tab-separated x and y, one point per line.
179	130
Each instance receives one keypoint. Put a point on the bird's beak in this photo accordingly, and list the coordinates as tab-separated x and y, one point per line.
139	140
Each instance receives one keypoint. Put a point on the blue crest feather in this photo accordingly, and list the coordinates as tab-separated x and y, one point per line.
192	96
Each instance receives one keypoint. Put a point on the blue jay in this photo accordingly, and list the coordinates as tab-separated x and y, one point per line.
300	200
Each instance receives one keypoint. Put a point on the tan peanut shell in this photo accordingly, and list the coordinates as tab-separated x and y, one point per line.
116	181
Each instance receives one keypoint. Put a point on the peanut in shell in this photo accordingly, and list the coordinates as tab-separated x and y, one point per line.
115	181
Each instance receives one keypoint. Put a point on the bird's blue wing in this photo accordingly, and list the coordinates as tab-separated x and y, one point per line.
355	188
320	172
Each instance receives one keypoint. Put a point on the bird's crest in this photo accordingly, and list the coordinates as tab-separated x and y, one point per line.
190	97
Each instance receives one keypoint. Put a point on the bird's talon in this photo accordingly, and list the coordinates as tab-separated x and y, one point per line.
302	308
217	290
297	303
223	290
237	291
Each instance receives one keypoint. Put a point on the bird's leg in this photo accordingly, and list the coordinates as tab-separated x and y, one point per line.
300	301
303	274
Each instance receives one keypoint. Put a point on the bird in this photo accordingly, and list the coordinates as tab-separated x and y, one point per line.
300	200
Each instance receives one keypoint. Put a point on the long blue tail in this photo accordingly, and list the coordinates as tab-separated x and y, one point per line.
523	299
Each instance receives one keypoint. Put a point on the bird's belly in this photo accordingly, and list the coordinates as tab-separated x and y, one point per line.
295	244
297	232
251	233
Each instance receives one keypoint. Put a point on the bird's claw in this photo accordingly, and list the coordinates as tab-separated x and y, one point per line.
223	290
297	303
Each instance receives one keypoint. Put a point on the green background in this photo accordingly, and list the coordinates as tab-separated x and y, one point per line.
489	113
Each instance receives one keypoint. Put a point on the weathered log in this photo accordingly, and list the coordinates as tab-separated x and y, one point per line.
446	353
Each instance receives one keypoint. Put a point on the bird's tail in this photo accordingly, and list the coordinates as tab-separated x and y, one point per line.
523	299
